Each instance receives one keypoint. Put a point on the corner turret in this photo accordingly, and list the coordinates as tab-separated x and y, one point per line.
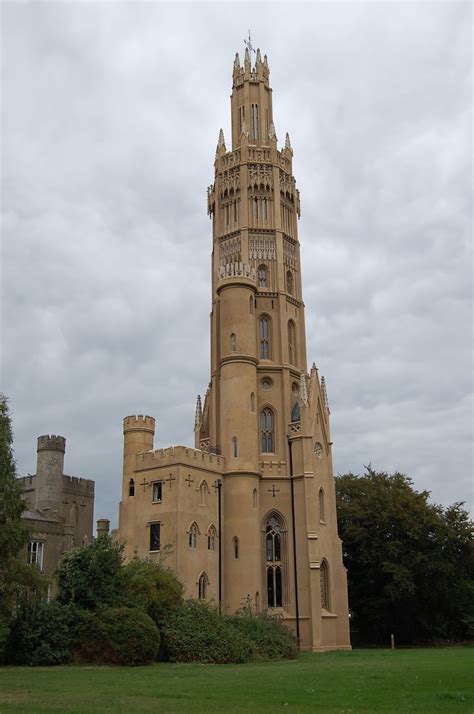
49	472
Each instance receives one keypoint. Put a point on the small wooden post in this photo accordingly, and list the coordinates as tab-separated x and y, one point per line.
392	641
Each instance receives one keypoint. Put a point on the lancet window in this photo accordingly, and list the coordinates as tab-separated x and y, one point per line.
289	282
324	581
264	337
192	535
203	583
235	547
291	342
322	514
262	276
131	487
233	343
254	122
211	537
275	560
203	493
266	430
235	447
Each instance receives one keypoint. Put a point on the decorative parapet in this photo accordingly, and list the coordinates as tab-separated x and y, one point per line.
232	158
180	455
242	270
294	427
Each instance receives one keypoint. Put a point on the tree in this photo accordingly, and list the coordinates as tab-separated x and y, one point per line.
151	587
410	563
90	576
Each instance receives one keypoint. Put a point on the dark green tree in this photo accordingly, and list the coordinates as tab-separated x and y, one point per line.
152	587
89	577
410	563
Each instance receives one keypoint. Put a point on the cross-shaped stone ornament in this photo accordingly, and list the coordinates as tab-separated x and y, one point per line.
273	490
170	479
144	484
189	480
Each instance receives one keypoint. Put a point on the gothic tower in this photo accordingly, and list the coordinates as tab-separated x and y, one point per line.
263	412
262	434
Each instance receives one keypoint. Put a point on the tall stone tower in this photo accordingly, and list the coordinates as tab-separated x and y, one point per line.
262	434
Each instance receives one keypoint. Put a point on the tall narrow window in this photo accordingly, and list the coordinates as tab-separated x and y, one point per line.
211	538
203	493
235	447
35	554
202	586
274	561
264	336
289	282
192	535
265	209
233	343
241	118
255	208
291	342
262	276
235	547
252	402
254	498
157	491
324	581
322	514
266	430
251	304
131	487
154	536
254	119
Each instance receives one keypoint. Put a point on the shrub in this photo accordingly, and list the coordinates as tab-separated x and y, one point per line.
195	632
269	636
125	636
152	587
41	635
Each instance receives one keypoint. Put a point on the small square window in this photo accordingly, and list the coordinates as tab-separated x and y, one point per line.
155	536
157	489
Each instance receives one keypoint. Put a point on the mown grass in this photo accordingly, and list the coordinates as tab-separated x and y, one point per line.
425	681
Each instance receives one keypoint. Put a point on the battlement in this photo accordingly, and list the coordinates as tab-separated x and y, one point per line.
139	422
241	270
79	486
51	443
180	455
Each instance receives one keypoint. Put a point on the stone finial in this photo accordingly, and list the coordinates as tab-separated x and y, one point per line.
259	56
324	393
265	61
221	140
237	61
198	416
303	389
247	55
271	131
287	141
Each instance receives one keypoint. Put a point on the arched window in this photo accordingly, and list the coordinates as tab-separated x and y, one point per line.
324	581
322	515
289	282
254	498
235	447
235	547
203	493
275	560
233	343
264	337
192	535
252	401
291	342
254	121
266	430
203	583
131	487
262	276
211	537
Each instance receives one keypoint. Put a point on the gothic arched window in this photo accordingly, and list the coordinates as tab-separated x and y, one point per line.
254	122
203	493
235	547
192	535
203	582
264	337
262	276
275	559
322	515
211	537
266	430
131	487
291	342
324	581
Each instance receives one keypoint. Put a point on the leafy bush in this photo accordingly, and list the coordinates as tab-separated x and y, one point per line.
89	576
195	632
125	636
151	587
269	637
41	635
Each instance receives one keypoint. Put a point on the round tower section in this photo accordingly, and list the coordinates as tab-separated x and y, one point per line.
138	433
49	472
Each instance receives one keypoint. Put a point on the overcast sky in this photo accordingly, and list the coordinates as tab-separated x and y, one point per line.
111	114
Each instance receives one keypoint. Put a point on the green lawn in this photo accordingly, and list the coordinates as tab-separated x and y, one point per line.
418	680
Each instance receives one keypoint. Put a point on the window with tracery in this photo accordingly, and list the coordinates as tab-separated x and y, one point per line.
264	337
275	560
262	276
192	535
324	581
266	431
